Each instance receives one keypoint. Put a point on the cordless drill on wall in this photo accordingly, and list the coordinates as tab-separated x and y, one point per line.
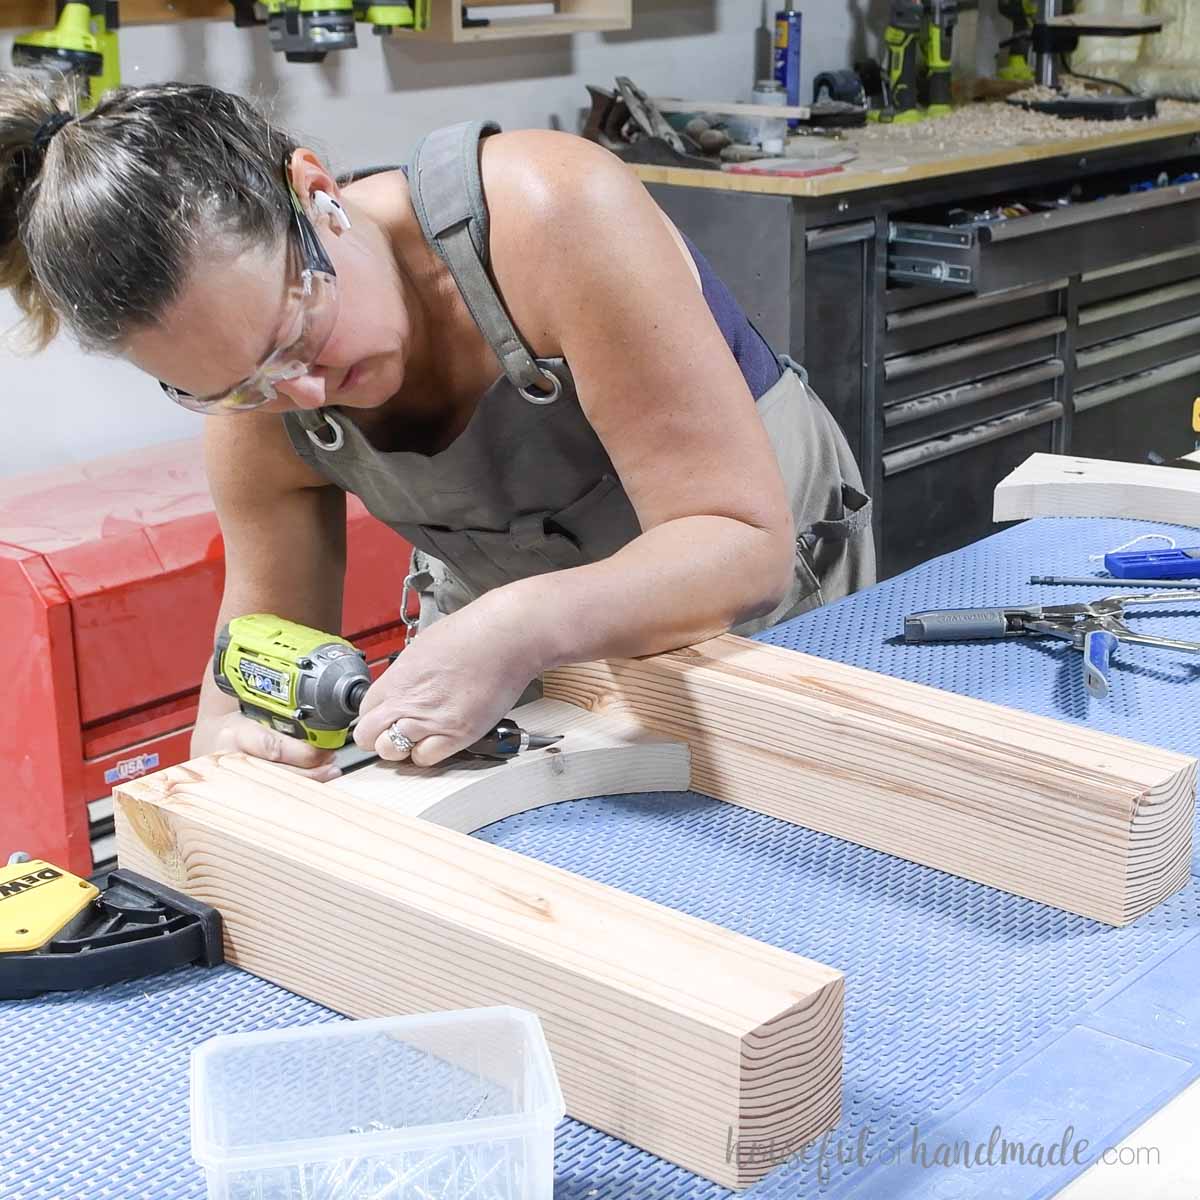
1022	14
83	44
919	40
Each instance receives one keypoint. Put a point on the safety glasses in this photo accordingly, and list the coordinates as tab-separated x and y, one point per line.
310	313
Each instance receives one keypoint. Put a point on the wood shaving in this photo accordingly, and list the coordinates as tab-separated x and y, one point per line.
982	127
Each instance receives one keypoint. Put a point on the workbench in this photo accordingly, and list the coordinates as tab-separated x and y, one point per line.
950	352
966	1007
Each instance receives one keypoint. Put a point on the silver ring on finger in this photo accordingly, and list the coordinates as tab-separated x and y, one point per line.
400	742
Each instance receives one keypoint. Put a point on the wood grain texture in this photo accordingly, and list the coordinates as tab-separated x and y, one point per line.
881	166
724	108
1084	821
1148	22
700	1045
1058	485
599	756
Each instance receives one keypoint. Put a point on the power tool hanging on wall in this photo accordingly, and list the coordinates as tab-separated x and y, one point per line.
305	31
919	41
1016	65
82	44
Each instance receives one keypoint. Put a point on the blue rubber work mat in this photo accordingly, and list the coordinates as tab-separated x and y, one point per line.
977	1023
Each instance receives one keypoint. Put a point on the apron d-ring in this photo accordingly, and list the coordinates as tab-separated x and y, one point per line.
335	443
544	397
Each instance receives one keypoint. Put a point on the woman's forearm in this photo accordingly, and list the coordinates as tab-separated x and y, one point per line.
676	584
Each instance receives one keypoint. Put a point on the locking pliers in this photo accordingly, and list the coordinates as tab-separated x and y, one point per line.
1096	628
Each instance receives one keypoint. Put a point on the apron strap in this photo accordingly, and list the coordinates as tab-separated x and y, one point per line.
447	193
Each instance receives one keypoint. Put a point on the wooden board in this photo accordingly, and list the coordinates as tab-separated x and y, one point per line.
574	16
601	755
721	108
700	1045
884	164
34	14
1084	821
1057	485
1127	22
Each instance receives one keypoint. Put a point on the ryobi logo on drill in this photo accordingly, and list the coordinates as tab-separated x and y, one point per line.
25	883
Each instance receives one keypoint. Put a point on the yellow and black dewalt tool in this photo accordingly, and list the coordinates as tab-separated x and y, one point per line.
309	685
83	43
59	933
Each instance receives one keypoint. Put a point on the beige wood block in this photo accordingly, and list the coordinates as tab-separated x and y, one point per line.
703	1046
1081	820
1059	485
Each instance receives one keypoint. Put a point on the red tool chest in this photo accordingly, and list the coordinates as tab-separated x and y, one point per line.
110	579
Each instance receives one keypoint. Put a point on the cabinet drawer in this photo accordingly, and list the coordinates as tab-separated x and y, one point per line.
1122	357
907	376
936	502
939	413
1140	275
932	324
1131	418
1044	246
1127	315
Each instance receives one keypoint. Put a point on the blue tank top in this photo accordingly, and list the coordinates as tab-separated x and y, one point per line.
760	367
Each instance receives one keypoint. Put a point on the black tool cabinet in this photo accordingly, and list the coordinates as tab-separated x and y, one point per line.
948	352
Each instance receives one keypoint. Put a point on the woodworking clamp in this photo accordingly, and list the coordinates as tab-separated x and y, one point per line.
1095	628
61	933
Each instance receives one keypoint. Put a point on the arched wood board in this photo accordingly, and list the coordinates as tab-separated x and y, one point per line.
603	755
1058	485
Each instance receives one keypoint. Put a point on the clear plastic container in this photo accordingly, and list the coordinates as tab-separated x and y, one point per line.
442	1106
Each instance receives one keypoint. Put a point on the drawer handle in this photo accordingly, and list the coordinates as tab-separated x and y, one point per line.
1085	214
839	235
912	364
970	393
945	309
1134	384
956	443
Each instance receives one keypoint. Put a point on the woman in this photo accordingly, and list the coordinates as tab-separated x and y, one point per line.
509	353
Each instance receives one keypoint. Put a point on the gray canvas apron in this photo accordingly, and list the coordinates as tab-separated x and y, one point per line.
528	487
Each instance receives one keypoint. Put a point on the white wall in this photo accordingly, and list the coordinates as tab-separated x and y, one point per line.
370	106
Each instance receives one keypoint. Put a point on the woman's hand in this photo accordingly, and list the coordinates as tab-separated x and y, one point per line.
233	732
452	684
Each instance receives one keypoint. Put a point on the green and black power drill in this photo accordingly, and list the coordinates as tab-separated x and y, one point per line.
305	31
1023	14
82	43
919	33
310	684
